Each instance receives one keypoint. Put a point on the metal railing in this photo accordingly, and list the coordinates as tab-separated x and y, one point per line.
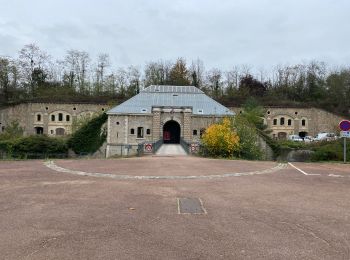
185	145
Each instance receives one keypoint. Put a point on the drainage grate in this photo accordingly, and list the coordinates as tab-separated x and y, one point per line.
190	206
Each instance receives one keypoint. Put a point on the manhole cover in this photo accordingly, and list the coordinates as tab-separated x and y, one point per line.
190	206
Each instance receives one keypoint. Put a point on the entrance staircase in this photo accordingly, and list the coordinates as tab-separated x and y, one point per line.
171	149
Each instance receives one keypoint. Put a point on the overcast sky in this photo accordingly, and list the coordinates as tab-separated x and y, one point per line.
222	33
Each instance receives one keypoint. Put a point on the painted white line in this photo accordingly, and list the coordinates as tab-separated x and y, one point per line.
300	170
53	166
335	175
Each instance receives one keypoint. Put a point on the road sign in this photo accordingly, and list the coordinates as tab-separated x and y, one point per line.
344	125
148	147
345	134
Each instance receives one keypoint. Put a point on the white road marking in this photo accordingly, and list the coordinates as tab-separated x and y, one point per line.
334	175
53	166
300	170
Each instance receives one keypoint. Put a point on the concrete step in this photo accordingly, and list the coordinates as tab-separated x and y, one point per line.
171	149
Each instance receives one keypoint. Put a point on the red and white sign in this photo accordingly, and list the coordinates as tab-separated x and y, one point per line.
344	125
194	147
148	147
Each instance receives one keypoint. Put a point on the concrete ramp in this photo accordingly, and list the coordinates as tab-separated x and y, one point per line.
171	149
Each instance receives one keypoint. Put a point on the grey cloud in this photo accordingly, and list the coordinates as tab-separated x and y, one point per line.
222	33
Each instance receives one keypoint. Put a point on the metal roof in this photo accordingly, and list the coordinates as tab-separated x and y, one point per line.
171	96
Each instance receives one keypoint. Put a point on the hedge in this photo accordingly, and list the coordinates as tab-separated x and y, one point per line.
90	137
37	146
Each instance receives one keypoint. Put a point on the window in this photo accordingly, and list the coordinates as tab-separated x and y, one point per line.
46	108
132	131
38	118
201	132
194	132
296	112
52	117
289	121
282	121
117	123
51	131
74	108
60	117
275	122
303	122
67	118
268	112
148	131
140	132
103	109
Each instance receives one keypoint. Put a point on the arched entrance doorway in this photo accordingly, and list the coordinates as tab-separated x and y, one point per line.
171	132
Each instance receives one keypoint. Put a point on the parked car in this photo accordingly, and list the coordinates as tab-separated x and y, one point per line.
325	137
295	138
308	139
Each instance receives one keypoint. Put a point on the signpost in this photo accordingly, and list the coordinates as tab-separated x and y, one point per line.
345	133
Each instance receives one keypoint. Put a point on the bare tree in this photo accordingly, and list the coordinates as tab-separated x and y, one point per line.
77	66
30	59
103	62
196	72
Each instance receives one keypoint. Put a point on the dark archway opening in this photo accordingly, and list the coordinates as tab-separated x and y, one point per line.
302	134
60	131
39	130
171	132
282	136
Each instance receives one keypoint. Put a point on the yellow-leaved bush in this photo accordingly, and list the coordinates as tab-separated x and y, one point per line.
220	140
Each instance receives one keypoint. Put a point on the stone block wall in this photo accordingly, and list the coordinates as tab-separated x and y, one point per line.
40	115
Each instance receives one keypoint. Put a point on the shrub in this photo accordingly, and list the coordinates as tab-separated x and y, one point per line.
330	151
248	139
37	146
13	130
220	140
90	136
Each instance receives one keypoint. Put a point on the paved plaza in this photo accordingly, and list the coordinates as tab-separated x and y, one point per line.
169	207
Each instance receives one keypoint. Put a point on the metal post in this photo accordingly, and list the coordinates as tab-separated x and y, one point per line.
344	149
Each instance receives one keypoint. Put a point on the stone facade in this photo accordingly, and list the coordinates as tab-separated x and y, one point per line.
126	131
298	121
125	134
48	118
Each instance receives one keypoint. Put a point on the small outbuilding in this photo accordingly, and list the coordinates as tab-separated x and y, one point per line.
166	114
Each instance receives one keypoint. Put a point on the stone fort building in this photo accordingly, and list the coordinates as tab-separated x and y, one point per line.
166	113
52	119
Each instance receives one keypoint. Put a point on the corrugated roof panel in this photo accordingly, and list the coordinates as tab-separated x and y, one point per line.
172	96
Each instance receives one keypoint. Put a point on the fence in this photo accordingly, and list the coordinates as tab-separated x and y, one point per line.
24	156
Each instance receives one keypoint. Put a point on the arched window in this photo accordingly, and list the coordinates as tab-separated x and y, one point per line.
132	131
38	117
282	121
275	122
140	132
60	117
303	122
53	118
67	118
289	121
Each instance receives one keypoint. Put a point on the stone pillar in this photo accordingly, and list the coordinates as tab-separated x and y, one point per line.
187	124
296	126
156	131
